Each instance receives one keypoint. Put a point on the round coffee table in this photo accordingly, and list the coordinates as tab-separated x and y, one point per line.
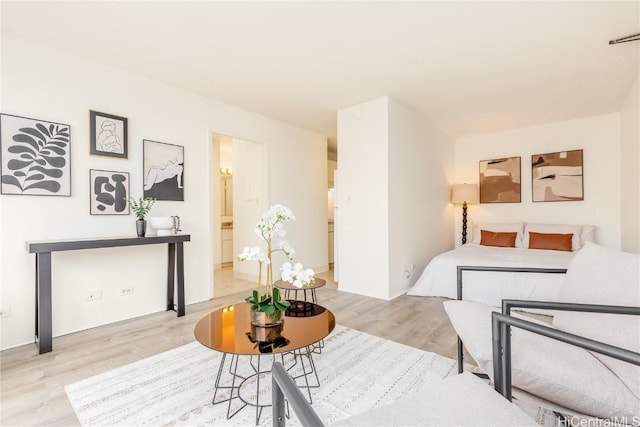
288	288
229	331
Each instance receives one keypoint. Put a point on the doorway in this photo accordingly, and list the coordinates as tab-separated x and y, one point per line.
240	184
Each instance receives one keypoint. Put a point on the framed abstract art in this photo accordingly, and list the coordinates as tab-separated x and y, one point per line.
35	156
500	180
108	135
163	167
557	177
109	192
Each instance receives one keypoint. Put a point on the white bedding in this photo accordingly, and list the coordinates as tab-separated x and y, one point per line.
439	278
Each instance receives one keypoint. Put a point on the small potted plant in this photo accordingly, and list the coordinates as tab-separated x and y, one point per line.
267	304
141	208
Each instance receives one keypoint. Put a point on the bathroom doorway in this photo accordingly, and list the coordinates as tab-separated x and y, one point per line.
240	184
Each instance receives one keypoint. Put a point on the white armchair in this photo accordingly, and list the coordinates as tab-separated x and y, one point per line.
577	379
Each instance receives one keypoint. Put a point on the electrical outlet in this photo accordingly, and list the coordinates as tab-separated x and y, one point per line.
408	270
94	295
127	290
5	312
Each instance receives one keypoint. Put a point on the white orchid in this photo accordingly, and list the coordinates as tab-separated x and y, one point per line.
297	274
288	250
253	254
269	227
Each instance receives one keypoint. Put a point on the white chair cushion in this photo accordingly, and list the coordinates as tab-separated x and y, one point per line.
598	275
552	370
461	400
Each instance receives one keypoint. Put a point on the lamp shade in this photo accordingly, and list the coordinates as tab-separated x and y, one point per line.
464	193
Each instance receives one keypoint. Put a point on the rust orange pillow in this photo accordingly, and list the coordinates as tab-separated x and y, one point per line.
550	241
493	238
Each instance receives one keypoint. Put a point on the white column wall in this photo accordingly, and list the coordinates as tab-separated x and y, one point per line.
630	171
393	194
598	136
420	216
298	179
52	85
363	199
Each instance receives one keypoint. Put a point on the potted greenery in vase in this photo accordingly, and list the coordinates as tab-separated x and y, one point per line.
267	305
141	208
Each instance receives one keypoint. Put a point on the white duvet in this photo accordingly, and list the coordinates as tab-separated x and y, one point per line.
439	278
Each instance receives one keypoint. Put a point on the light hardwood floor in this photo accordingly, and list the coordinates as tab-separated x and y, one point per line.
32	385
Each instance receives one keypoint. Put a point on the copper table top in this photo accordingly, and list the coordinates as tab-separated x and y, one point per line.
229	330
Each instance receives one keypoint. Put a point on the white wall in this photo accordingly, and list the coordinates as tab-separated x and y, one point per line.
598	136
52	85
297	167
630	171
420	216
249	201
393	197
363	199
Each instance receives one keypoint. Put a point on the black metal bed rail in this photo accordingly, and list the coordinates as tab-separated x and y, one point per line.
501	332
462	268
283	386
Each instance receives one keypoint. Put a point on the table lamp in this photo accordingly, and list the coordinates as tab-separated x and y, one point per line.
463	194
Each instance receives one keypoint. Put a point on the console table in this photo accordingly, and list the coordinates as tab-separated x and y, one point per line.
43	250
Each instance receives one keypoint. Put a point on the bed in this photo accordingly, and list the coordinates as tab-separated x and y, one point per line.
439	278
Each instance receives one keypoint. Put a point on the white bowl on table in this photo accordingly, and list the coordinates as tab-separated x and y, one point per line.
162	224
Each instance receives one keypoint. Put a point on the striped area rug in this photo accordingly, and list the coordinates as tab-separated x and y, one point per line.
357	371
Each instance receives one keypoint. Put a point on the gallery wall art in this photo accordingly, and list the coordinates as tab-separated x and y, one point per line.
108	135
109	192
35	156
163	167
500	180
557	176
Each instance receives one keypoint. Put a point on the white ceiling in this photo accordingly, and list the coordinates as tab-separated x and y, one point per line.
468	67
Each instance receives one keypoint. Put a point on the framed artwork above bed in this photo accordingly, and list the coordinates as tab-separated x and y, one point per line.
557	177
500	180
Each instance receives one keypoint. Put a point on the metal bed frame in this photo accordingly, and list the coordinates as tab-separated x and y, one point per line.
462	268
283	386
501	324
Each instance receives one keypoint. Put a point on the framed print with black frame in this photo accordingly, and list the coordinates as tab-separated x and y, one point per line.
163	170
109	192
108	135
35	156
500	180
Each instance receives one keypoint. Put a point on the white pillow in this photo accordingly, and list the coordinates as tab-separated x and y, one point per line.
555	229
499	227
588	234
550	369
599	275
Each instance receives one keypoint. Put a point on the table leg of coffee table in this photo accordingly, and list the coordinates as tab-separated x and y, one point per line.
233	388
216	386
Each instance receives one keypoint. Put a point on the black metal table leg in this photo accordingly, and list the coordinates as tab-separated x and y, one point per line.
171	267
180	261
460	356
175	264
43	311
